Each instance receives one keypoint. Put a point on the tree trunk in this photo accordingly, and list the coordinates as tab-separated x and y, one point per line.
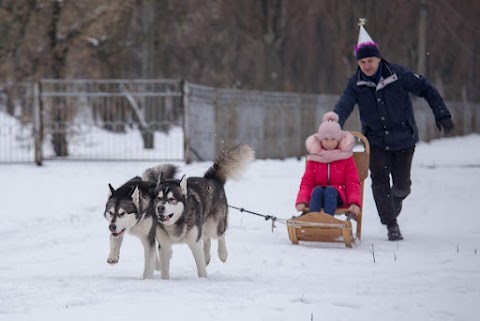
422	39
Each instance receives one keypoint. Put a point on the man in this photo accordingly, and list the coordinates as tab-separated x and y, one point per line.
381	91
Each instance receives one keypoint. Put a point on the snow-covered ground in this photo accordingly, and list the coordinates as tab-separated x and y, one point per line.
54	244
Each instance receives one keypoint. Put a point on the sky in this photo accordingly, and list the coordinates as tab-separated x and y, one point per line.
54	243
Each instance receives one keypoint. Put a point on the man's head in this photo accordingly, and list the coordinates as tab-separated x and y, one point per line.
369	65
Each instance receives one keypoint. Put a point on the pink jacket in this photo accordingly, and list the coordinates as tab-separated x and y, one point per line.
331	168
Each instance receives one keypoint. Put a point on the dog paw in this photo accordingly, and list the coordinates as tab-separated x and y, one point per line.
223	256
113	260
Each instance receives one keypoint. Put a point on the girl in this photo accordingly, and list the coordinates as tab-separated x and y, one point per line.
331	177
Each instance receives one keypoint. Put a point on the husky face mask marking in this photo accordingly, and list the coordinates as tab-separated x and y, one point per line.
169	205
120	213
120	220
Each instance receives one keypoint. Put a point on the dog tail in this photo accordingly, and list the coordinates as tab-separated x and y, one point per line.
230	163
152	174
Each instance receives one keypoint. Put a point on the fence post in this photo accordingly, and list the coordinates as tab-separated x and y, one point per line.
186	121
37	124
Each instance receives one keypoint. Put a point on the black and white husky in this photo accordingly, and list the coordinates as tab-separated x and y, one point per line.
195	209
130	209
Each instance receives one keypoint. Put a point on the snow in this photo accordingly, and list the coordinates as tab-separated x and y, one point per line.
54	244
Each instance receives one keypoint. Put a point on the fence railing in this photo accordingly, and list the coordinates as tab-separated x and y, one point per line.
170	120
94	120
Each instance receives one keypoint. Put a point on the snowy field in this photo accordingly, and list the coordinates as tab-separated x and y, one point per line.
54	244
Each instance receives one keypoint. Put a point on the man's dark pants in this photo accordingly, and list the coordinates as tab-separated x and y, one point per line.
388	197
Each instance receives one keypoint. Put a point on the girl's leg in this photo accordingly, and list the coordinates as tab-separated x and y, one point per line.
316	201
331	196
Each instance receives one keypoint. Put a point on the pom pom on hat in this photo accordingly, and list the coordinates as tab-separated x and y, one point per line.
331	115
365	47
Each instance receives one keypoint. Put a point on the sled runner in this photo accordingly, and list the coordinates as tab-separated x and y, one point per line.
321	227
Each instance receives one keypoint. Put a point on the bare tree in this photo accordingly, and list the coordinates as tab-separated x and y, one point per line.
301	45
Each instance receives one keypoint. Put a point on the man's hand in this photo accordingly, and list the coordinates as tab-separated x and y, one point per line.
446	123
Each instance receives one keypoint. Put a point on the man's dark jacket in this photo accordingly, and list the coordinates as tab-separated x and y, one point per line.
386	111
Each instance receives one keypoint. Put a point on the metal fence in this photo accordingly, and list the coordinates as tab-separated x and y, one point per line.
275	124
93	120
169	120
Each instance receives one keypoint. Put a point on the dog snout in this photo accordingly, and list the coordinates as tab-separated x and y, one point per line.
160	208
112	227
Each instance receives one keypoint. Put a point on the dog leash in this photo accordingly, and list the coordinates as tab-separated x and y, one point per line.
266	217
350	216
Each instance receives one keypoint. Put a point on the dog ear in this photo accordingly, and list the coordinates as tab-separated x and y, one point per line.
111	190
183	185
136	197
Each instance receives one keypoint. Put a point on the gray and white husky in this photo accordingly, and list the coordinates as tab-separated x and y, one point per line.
130	209
195	209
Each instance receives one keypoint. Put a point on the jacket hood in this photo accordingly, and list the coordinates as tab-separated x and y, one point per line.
314	146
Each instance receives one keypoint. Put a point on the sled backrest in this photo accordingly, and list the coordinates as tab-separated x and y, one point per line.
362	158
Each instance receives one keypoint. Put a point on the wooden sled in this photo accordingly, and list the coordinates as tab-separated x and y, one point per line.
321	227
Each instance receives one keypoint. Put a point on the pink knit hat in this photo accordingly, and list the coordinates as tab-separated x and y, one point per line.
330	128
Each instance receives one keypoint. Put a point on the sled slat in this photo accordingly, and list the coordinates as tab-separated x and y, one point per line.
320	227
